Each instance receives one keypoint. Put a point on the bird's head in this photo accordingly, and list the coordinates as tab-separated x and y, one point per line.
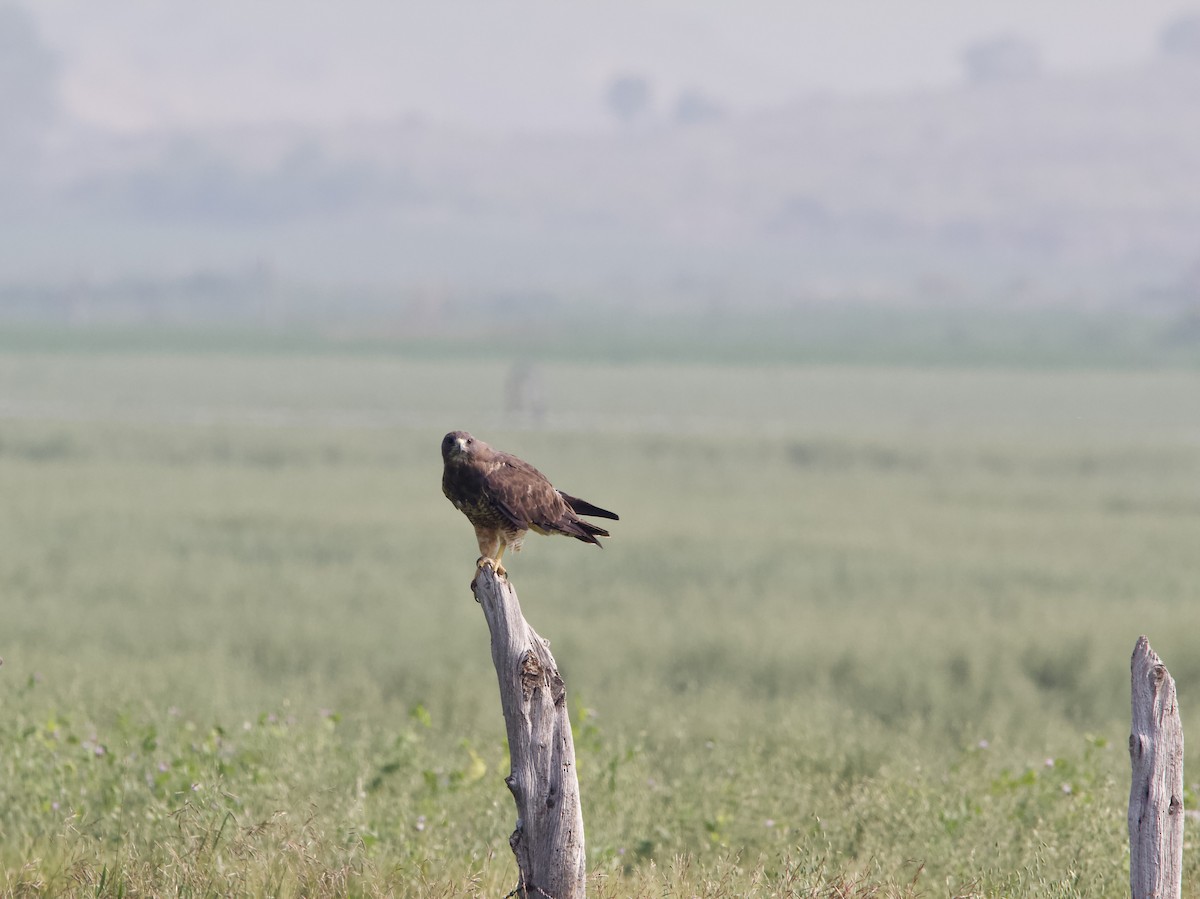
458	445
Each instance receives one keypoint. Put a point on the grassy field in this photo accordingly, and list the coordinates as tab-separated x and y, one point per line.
861	631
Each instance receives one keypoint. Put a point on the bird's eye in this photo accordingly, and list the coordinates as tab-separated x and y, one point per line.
470	440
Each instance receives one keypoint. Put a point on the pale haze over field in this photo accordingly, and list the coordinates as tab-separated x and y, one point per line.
538	64
675	151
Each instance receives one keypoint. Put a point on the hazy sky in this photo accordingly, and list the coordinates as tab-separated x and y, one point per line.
537	64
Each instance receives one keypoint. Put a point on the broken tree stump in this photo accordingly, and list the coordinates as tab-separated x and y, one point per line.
1156	791
548	839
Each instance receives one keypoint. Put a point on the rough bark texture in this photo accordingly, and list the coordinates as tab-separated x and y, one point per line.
548	840
1156	793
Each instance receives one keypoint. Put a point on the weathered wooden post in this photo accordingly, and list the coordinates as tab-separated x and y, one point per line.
548	839
1156	793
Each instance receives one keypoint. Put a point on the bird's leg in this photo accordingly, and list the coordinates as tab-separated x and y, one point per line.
491	548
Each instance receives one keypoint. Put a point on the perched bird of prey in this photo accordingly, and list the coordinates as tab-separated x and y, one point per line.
506	498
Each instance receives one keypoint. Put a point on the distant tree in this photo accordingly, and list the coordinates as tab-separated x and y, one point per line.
1002	59
29	100
1181	37
628	97
694	106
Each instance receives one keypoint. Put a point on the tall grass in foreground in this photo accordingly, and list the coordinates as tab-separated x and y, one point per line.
876	646
310	804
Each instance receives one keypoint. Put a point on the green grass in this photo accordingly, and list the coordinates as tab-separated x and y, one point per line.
860	631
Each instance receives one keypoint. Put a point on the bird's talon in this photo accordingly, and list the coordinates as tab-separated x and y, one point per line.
488	562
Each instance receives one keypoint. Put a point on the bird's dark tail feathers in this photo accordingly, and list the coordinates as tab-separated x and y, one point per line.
587	532
583	507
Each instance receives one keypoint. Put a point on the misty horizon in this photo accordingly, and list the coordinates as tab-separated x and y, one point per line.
678	155
537	66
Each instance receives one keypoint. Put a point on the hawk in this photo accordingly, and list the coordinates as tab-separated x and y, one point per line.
506	498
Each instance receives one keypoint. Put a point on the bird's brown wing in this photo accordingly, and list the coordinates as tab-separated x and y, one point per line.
523	494
528	499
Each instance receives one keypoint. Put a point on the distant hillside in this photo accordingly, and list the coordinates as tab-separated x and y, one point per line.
1079	189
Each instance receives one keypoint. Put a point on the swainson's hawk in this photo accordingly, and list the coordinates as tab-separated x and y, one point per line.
505	498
